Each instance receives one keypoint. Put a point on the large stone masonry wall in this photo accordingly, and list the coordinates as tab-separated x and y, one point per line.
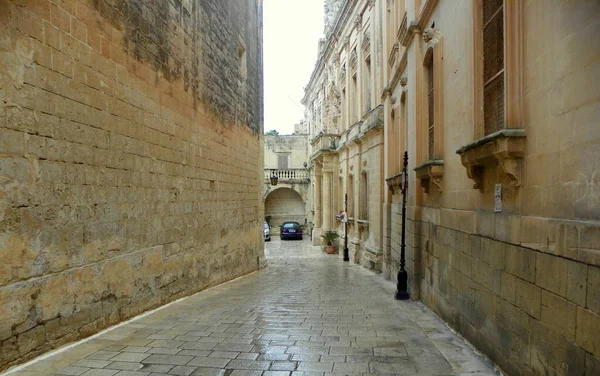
531	312
130	160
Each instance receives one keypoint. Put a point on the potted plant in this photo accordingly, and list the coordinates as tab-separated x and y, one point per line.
329	238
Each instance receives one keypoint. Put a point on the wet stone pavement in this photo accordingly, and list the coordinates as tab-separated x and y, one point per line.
308	313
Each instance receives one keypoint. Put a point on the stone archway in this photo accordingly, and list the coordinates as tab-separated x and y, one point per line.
284	204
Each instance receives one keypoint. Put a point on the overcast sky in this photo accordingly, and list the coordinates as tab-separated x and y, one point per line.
292	29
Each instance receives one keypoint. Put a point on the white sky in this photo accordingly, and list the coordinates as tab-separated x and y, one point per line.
292	29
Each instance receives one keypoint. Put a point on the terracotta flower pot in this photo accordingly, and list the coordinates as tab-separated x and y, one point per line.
330	249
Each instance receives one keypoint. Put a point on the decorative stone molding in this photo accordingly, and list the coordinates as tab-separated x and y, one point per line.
386	92
403	29
430	172
413	29
353	62
393	55
403	81
371	4
358	22
366	46
506	148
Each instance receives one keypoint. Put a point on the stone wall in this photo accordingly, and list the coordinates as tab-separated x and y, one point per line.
130	160
520	283
295	147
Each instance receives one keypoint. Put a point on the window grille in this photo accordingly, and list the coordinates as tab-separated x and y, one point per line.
493	66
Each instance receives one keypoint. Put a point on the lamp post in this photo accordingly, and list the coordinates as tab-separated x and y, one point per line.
402	287
274	179
346	256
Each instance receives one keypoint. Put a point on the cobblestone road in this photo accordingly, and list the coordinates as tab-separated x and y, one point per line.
308	313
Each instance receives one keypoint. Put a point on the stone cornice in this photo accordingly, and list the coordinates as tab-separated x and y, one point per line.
334	35
399	69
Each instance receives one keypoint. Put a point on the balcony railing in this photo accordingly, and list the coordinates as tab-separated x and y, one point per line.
296	175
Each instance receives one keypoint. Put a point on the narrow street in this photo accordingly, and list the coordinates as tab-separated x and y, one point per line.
308	313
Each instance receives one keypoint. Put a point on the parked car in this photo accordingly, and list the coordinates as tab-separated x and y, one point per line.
290	230
267	232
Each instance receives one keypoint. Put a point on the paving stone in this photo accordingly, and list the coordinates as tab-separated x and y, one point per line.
283	366
128	366
335	319
72	370
315	366
130	357
248	364
208	362
103	355
168	359
156	368
100	372
182	370
202	371
91	363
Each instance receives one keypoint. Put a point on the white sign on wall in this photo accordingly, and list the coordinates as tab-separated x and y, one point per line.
498	198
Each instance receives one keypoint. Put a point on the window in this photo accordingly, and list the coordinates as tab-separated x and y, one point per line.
350	196
493	66
432	124
282	161
367	85
364	197
430	110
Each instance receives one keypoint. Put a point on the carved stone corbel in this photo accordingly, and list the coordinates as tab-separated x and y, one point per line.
506	148
430	172
511	168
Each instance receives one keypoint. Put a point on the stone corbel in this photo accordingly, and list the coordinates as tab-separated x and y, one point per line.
506	148
430	172
394	183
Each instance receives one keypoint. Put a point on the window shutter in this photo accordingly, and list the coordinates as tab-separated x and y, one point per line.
282	162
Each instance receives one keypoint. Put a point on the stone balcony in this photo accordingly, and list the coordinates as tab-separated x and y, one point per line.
288	175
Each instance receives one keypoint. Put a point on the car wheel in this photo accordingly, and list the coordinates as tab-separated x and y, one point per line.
301	238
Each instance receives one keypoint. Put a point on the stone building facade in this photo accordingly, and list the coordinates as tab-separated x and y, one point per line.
286	156
130	148
345	117
497	105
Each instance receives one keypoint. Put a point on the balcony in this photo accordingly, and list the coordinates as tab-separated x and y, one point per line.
288	175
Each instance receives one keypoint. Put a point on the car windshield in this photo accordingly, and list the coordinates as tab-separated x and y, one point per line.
291	225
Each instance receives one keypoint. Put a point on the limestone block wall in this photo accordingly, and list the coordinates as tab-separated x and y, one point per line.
131	167
520	284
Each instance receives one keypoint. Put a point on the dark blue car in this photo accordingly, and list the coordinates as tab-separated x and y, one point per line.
290	230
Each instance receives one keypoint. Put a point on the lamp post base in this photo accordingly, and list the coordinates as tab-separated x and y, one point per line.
402	286
346	256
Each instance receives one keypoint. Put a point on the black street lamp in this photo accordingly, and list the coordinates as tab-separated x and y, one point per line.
402	287
346	256
274	179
